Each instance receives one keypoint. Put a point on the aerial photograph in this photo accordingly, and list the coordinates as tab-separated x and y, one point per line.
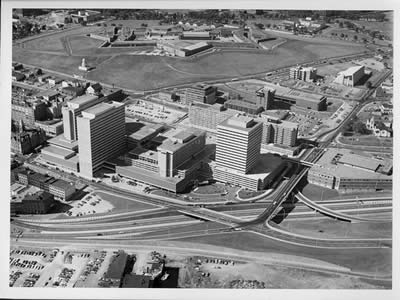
201	149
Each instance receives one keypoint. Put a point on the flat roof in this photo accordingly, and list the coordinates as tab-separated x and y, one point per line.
239	122
350	71
99	109
62	184
117	265
325	165
363	162
277	120
173	144
61	141
47	93
196	46
304	96
139	132
84	99
144	152
57	151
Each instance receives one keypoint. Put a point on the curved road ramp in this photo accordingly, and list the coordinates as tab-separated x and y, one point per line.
334	214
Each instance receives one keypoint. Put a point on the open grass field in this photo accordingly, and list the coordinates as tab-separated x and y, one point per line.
121	203
330	228
368	260
83	45
149	72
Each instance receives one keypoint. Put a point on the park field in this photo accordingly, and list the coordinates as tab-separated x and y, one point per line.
116	66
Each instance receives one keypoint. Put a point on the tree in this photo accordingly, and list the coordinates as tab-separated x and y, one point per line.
368	84
355	38
341	24
342	35
360	128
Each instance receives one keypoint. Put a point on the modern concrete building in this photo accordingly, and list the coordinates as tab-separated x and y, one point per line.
276	131
289	97
101	135
303	73
170	164
200	93
207	117
351	76
238	153
72	110
238	143
52	128
348	172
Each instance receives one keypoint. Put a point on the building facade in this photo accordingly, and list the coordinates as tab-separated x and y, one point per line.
303	73
101	135
200	93
72	110
238	143
279	132
207	116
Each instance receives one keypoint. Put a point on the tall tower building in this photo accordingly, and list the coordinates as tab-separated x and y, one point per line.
238	144
101	135
72	110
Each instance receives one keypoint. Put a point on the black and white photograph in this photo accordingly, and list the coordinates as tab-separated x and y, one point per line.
198	147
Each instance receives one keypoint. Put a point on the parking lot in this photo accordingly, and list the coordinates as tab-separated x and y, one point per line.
88	205
152	112
56	267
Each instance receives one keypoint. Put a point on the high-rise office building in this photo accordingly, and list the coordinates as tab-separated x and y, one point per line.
238	143
73	110
101	135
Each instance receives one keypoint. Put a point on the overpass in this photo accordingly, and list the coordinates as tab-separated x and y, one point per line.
211	215
331	213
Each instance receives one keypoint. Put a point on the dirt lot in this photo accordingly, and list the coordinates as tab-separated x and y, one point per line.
209	272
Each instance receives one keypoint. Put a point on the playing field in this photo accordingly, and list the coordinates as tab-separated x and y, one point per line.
116	66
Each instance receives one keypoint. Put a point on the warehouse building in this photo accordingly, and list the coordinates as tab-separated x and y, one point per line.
348	172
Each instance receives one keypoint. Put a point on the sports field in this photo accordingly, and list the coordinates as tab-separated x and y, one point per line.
150	72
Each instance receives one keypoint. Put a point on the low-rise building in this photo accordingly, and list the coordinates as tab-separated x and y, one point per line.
51	128
61	189
115	271
36	203
182	48
199	93
345	171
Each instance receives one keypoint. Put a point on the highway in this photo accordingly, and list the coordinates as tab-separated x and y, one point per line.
334	214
